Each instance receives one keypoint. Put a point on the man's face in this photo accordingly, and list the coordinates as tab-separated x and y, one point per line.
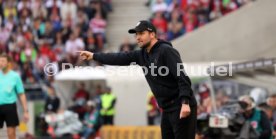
272	102
143	38
3	63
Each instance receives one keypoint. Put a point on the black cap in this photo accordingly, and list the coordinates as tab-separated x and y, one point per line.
142	26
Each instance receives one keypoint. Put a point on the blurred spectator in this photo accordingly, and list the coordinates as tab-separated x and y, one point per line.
82	5
4	36
229	6
98	6
80	98
82	21
56	22
126	46
221	98
190	20
268	111
98	26
91	9
175	25
108	5
52	102
38	9
81	94
215	14
91	120
63	124
174	5
10	9
40	62
68	10
1	11
205	99
28	54
90	41
48	35
159	6
28	74
271	101
202	20
97	97
108	101
23	4
160	23
73	45
153	111
258	119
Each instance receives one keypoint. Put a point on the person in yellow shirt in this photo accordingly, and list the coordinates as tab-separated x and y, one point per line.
108	101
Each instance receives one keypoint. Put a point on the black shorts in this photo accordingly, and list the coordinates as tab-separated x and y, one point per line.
8	114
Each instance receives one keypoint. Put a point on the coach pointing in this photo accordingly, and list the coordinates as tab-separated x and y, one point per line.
172	91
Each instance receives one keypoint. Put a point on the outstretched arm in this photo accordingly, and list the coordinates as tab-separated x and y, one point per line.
122	58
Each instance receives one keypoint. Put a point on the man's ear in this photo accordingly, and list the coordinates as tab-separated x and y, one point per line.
152	35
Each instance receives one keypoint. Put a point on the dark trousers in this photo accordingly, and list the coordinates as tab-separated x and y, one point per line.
8	115
108	120
172	127
151	120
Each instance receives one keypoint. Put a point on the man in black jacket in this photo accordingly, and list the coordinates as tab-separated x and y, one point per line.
165	75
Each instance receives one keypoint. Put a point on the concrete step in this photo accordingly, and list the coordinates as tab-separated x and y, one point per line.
125	16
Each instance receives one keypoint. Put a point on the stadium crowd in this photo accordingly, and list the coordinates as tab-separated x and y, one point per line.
174	18
37	32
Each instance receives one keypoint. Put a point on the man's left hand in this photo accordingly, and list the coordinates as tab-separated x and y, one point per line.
185	111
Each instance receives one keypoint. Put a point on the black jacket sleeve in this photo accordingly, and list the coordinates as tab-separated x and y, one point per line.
176	68
120	59
266	126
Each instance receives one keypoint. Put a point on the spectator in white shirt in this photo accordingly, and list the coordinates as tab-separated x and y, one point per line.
73	45
68	8
160	6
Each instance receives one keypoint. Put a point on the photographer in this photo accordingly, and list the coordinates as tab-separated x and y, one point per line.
258	119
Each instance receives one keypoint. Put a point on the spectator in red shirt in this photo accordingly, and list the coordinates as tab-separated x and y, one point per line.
153	110
161	24
81	93
190	20
80	98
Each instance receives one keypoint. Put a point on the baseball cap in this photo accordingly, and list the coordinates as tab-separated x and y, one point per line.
142	26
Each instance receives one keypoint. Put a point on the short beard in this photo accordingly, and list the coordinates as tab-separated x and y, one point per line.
146	45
